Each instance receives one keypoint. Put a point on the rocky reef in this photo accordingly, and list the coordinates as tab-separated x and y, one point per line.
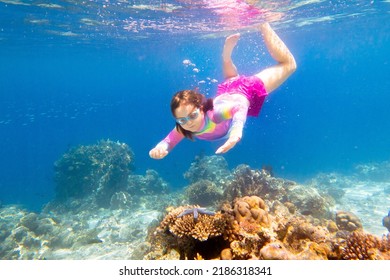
103	210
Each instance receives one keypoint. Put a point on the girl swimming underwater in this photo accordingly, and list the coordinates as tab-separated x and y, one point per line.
237	97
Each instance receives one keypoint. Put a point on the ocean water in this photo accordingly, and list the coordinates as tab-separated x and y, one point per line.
75	72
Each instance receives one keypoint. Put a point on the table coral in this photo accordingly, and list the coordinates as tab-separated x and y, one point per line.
188	235
201	228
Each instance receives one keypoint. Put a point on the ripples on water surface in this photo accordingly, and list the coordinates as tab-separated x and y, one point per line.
91	21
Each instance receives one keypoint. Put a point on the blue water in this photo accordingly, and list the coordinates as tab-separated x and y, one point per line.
67	81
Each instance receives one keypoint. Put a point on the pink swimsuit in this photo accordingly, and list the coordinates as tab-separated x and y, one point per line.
229	113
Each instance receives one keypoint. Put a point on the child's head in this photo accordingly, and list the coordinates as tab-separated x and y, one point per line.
188	108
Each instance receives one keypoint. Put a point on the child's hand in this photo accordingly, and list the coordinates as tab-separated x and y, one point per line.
230	143
158	153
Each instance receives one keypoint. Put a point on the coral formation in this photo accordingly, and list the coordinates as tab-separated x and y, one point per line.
247	182
363	246
202	228
212	168
248	228
306	199
103	211
348	221
204	192
100	169
186	234
310	201
251	209
149	184
276	251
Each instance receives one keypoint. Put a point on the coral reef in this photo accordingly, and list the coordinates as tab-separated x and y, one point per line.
248	182
149	184
310	201
204	192
98	169
100	176
212	168
306	199
330	184
364	246
249	228
251	210
102	211
276	251
185	233
242	230
348	221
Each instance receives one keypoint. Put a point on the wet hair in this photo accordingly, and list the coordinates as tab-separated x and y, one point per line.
190	97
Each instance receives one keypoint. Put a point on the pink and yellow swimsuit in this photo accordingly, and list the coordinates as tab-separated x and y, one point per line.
236	98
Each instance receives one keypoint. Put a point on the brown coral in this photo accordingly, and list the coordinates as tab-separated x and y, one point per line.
249	229
276	251
193	237
299	231
203	228
364	246
247	182
251	209
348	221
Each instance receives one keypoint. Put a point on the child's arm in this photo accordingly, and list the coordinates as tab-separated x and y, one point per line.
165	146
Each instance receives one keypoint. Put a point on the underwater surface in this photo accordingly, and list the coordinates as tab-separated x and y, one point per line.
74	74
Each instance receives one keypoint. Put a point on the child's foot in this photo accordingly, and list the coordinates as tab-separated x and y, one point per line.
230	43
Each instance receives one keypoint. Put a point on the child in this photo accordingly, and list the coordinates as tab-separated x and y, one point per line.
238	97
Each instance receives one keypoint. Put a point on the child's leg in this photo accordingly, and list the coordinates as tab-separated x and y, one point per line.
229	69
275	75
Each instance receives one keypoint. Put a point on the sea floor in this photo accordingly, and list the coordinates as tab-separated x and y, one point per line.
91	233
